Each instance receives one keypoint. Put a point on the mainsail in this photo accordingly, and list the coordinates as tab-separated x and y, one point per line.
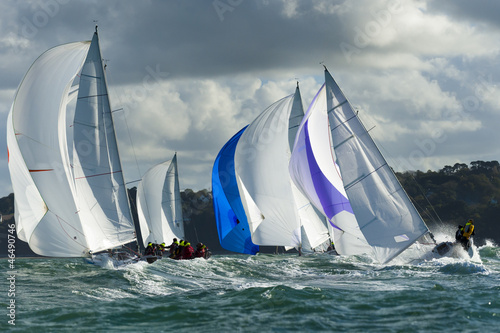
70	195
352	184
159	205
385	215
232	224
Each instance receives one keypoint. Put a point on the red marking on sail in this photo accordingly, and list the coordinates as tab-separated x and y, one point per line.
100	174
40	170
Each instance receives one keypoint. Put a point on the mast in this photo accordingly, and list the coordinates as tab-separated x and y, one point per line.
115	139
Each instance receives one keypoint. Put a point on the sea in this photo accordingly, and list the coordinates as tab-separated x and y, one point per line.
261	293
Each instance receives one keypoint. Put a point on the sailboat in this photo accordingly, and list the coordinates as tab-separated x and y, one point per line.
159	205
338	166
70	194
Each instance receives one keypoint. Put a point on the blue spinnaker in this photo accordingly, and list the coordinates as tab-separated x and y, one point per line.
232	224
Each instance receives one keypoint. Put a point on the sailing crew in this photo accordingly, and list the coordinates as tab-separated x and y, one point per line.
160	249
465	234
200	250
172	247
150	249
188	251
177	254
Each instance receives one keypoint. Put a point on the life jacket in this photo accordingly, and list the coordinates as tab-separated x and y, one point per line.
468	229
188	252
149	249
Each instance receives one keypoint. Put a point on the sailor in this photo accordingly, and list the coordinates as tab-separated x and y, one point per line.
200	250
173	247
188	251
177	254
149	249
467	232
161	249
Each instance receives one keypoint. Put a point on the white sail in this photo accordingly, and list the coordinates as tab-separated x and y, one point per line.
67	202
313	170
314	230
386	217
159	205
261	166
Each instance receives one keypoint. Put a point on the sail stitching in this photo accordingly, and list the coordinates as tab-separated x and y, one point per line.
337	106
342	122
83	124
357	180
94	77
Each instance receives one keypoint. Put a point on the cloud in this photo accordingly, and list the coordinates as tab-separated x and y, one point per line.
189	76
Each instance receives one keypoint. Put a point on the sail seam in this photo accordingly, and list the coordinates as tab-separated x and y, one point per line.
337	106
357	180
83	124
94	77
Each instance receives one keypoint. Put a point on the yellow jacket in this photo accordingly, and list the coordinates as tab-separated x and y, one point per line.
468	230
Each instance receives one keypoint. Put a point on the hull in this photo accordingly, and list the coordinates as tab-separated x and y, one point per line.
115	259
452	249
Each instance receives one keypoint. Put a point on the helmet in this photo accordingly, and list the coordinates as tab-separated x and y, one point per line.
471	221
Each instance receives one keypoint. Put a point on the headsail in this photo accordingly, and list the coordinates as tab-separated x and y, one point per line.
314	230
159	205
386	217
70	196
232	224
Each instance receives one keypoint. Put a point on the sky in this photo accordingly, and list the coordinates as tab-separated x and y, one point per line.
185	76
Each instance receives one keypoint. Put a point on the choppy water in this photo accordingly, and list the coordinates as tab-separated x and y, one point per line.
263	293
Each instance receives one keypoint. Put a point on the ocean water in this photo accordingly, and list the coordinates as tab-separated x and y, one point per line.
262	293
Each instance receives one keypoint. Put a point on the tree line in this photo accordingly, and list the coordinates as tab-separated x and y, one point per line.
449	196
457	193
